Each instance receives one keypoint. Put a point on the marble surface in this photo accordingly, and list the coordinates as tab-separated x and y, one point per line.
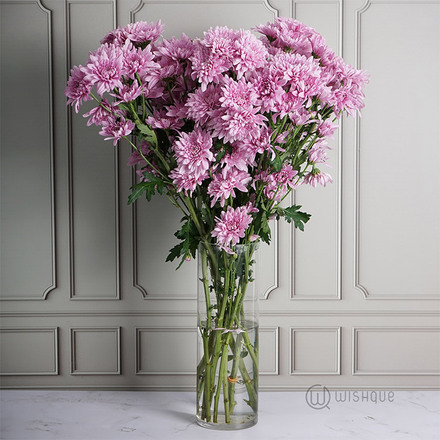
120	415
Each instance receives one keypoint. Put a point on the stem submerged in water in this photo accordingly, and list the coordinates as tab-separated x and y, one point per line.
229	360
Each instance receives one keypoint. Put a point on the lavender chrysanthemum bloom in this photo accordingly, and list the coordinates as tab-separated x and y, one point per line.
117	129
137	61
316	177
238	95
203	105
249	53
173	56
223	185
143	32
78	88
277	184
239	124
128	92
208	67
185	182
104	68
231	226
193	152
318	153
105	113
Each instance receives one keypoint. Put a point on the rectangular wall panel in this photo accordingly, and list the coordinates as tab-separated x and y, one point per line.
315	350
166	350
396	351
95	351
323	231
29	351
398	152
27	224
93	170
268	340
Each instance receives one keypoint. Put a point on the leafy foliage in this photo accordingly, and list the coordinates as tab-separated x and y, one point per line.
188	246
292	213
148	187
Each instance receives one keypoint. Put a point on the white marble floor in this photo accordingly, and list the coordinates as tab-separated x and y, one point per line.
120	415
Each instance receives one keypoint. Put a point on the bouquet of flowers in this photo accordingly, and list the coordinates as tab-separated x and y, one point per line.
225	127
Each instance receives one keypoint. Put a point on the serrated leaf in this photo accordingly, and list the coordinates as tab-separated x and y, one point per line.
147	133
188	246
149	187
137	191
277	163
292	213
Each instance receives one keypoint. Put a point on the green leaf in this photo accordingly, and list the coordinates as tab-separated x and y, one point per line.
262	227
292	213
277	163
188	246
149	187
137	191
147	133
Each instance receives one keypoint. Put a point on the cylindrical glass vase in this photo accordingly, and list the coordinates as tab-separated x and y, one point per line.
227	370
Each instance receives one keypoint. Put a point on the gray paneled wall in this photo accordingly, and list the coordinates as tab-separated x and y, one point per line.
87	299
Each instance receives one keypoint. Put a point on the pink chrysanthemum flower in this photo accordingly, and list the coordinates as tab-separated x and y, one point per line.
316	177
250	53
173	55
116	37
185	182
208	67
203	105
128	92
239	124
193	152
238	95
78	88
240	157
220	41
103	114
231	226
288	35
326	128
318	153
161	119
223	185
137	61
104	68
117	129
143	32
277	184
268	83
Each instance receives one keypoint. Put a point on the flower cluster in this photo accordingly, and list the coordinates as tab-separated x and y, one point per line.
226	125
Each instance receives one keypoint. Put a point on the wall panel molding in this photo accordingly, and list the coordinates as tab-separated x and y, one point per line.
29	351
95	351
157	350
311	356
334	257
272	360
36	231
359	284
91	277
387	355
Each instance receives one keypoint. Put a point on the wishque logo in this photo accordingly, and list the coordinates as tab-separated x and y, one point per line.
318	397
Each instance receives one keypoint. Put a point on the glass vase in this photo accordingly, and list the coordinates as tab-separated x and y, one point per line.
227	370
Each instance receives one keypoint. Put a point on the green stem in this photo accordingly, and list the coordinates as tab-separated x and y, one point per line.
207	388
